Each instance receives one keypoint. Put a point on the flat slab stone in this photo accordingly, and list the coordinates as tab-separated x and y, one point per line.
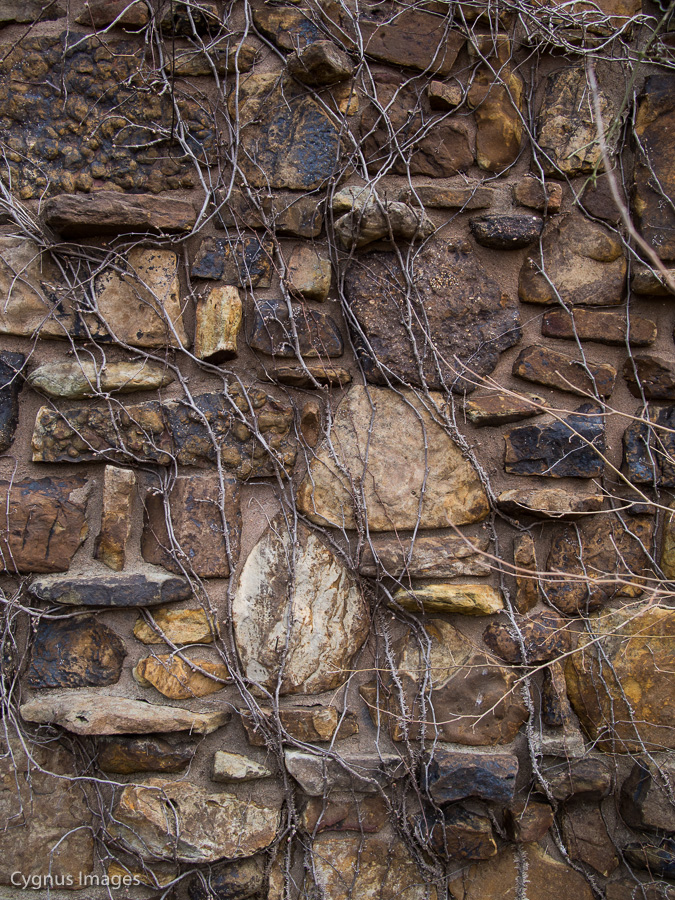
241	261
109	212
470	321
290	28
432	491
473	196
179	626
451	775
587	779
99	13
366	815
11	383
605	327
425	556
290	215
122	590
499	232
179	679
126	756
273	330
456	833
311	376
544	636
72	653
223	57
549	503
364	773
411	37
648	281
302	723
82	378
552	369
466	599
501	408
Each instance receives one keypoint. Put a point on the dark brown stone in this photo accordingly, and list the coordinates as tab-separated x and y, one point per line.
586	839
656	857
184	19
598	201
425	556
631	889
109	212
649	281
549	503
502	408
41	527
568	448
651	376
544	637
205	526
603	326
647	796
556	710
311	376
122	590
457	833
473	196
545	198
649	446
271	330
100	13
527	586
500	232
11	383
311	422
320	63
75	652
469	320
28	12
576	376
411	37
126	755
588	778
528	820
451	775
289	215
222	58
497	103
443	97
233	881
302	723
244	262
362	814
290	28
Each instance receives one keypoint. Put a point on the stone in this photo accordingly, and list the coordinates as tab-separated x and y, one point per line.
555	705
308	273
473	196
320	63
527	586
499	232
570	447
651	377
287	139
311	425
219	315
454	775
245	262
289	215
444	97
468	320
273	330
647	796
291	28
311	376
416	38
470	697
46	821
557	370
501	408
649	446
109	212
204	827
588	778
497	103
190	19
545	198
583	263
603	326
233	881
72	653
100	13
42	525
119	488
158	876
598	201
301	723
11	383
436	487
658	858
89	712
630	708
425	556
28	13
566	125
393	221
528	820
127	756
457	833
112	591
549	503
653	174
313	612
221	59
83	378
630	889
544	637
179	678
362	773
466	599
233	767
366	815
602	558
178	626
645	280
203	516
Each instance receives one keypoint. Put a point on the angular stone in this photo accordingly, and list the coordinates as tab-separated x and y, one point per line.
549	503
588	778
311	376
203	828
219	316
645	280
544	637
273	330
468	320
301	723
572	447
654	173
363	773
126	756
605	327
555	705
452	775
221	58
582	264
502	408
657	857
241	261
204	519
233	881
475	196
83	378
470	699
497	103
308	273
500	232
109	212
399	434
527	586
467	599
625	702
425	556
91	712
651	376
545	198
443	97
291	28
412	37
649	446
11	382
179	679
288	215
528	820
178	626
576	376
392	221
184	19
42	525
457	833
119	488
311	422
647	796
119	591
232	767
100	13
28	12
304	632
320	63
597	200
600	559
367	815
71	653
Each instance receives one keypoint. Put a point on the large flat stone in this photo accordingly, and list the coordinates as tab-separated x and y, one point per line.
435	487
450	775
549	503
82	378
11	382
180	679
436	196
502	408
75	652
466	599
552	369
415	38
364	773
273	330
126	755
109	212
123	590
425	556
602	326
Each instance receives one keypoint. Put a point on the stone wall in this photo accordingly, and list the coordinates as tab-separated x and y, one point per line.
336	426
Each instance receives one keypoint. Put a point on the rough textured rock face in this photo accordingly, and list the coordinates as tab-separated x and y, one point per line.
126	756
181	679
552	369
71	653
72	216
454	776
302	331
11	383
425	556
83	379
111	590
179	626
244	262
302	723
571	447
116	518
604	327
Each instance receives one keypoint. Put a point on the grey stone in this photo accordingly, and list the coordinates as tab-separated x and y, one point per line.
82	378
122	590
499	232
241	261
647	798
450	775
231	767
317	774
273	330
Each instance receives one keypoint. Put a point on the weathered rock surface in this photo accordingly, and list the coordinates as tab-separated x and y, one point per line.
308	273
302	723
572	447
91	712
648	281
178	679
72	653
548	503
311	422
443	97
552	369
109	212
232	881
500	232
528	820
452	775
367	815
203	828
436	487
119	488
126	756
185	20
393	221
583	263
28	12
290	215
605	327
290	28
470	699
229	767
11	382
527	586
82	378
43	524
544	637
218	322
631	707
626	889
311	376
205	523
100	13
320	63
588	778
457	833
242	261
598	201
180	626
273	330
497	102
649	446
657	857
111	590
546	198
360	772
474	196
602	558
647	796
467	599
411	37
425	556
651	376
223	58
555	705
307	638
502	408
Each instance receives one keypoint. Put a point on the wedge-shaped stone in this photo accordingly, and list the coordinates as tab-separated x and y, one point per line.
11	382
219	316
178	626
552	369
435	488
501	408
467	599
549	503
119	488
203	828
245	262
456	833
305	639
111	590
302	723
646	796
110	212
364	773
450	775
320	63
126	756
75	652
426	556
178	679
273	330
603	326
82	378
470	700
544	637
650	376
231	767
366	815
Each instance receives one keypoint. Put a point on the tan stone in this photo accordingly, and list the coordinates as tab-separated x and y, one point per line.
527	586
497	103
566	373
119	487
219	318
178	679
467	599
435	487
302	723
501	408
308	273
603	326
83	378
465	197
549	503
228	767
426	556
222	59
311	422
311	375
444	96
178	626
532	193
